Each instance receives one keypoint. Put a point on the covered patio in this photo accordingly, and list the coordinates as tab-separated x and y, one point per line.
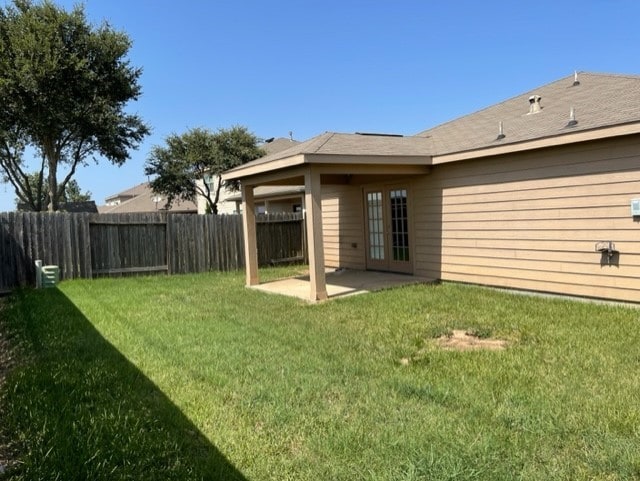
348	161
341	282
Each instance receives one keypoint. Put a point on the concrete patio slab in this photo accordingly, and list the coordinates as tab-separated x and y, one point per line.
341	282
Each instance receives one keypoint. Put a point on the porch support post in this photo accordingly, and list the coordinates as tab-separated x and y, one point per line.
250	239
315	245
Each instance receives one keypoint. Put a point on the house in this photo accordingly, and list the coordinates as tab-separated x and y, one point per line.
88	206
268	200
275	199
141	198
539	192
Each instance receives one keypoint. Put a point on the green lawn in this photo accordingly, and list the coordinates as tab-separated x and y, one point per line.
196	377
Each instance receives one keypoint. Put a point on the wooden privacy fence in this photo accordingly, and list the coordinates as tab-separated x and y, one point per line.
90	245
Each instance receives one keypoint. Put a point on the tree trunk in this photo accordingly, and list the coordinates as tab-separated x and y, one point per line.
214	203
53	187
52	181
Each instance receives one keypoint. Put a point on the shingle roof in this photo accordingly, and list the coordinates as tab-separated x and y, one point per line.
80	206
332	143
278	145
144	201
599	100
130	192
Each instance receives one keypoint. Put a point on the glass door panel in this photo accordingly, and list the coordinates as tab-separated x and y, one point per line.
399	225
387	224
375	221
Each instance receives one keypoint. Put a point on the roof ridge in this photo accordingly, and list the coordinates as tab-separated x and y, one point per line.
329	137
605	74
492	106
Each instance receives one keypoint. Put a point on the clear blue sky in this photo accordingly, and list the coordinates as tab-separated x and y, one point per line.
345	66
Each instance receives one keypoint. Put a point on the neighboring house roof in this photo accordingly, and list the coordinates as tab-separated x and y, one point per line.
144	201
575	108
272	146
598	100
129	193
84	206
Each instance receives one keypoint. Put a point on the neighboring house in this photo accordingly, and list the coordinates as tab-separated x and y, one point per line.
86	206
276	199
142	199
280	200
534	193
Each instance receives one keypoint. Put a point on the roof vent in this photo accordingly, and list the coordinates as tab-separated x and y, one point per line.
534	104
500	131
576	82
572	118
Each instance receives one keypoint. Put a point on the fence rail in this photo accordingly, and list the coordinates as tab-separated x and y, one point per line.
90	245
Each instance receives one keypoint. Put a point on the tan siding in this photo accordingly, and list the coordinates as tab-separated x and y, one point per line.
505	257
630	295
343	227
531	220
536	164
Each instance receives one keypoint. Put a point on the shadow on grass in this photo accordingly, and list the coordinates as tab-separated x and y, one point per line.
80	410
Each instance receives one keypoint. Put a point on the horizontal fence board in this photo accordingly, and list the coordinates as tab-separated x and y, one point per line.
132	270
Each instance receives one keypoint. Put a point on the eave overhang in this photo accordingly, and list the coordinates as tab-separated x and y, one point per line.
333	163
540	143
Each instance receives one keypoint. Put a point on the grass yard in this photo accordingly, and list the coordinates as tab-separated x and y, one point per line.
195	377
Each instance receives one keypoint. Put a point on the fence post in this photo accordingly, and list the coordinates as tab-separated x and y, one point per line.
38	274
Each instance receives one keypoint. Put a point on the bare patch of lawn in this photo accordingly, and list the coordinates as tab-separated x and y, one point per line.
462	340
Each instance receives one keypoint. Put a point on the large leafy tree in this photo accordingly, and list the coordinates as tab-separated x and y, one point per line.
39	196
72	193
64	86
191	164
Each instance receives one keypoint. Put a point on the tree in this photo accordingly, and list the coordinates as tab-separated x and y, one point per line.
40	197
72	193
64	86
192	164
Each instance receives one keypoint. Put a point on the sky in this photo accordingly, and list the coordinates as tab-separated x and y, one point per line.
308	67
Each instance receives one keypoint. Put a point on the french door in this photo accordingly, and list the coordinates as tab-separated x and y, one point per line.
387	224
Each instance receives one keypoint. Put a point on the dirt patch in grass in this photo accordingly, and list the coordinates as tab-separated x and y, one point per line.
460	340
